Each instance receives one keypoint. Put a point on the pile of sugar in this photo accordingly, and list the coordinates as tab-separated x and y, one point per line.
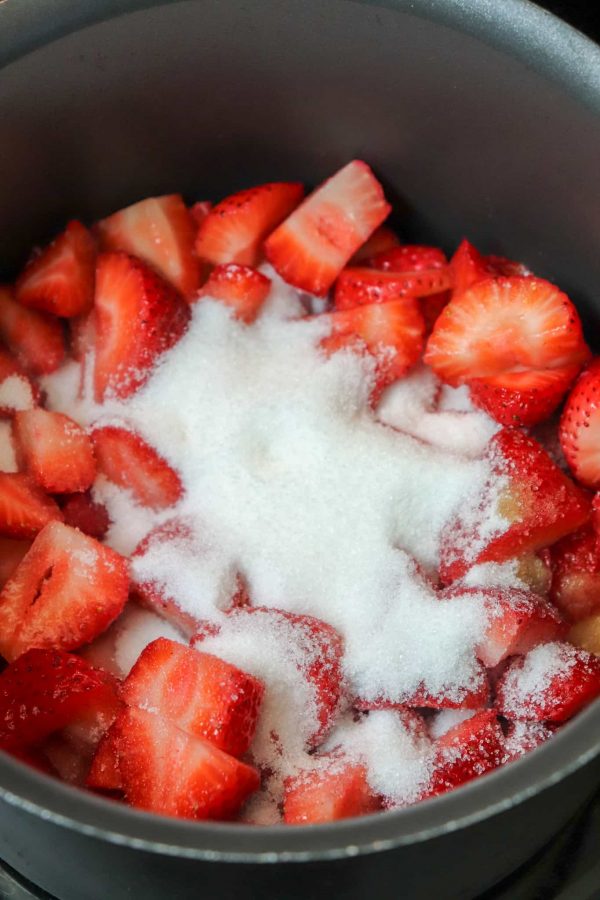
525	683
291	481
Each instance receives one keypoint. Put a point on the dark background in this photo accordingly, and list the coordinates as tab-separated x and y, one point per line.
583	14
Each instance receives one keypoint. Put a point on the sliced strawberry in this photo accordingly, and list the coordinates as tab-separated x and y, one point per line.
82	331
87	728
24	507
473	695
66	591
81	511
575	562
540	505
17	390
161	232
164	770
11	554
358	286
138	316
472	748
199	211
35	338
43	691
60	279
470	266
580	427
127	460
104	774
506	325
55	450
523	737
200	693
234	229
412	258
241	287
312	246
522	398
383	238
550	684
339	790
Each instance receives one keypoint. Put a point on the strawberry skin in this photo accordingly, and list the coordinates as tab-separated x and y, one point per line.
127	460
138	317
80	511
357	286
468	750
67	590
45	690
522	398
161	232
36	339
579	429
55	450
470	266
412	258
233	231
60	279
24	507
241	287
104	774
198	692
338	791
575	563
312	246
166	771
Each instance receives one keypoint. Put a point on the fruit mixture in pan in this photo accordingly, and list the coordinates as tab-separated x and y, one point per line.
292	525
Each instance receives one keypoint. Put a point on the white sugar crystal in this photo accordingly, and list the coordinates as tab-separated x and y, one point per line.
135	630
447	719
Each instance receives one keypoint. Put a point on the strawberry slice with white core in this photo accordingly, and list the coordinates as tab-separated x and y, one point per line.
382	239
468	750
60	279
336	789
241	287
234	229
552	683
312	246
127	460
66	590
138	317
24	507
36	339
357	286
55	451
166	771
522	398
580	427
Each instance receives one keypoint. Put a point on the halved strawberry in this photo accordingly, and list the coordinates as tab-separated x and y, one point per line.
198	692
358	286
337	790
241	287
138	316
550	684
472	748
81	511
60	279
164	770
24	507
315	242
470	266
522	398
17	390
104	774
36	339
45	690
126	459
55	450
199	211
505	325
522	737
474	694
67	590
11	554
383	238
234	229
580	427
161	232
575	562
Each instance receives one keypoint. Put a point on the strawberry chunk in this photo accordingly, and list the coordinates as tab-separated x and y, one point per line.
472	695
138	317
55	450
66	591
35	338
82	330
312	246
104	774
161	232
24	507
382	239
81	511
241	287
199	211
575	562
200	693
523	737
234	229
85	731
522	398
586	634
357	286
580	427
60	279
506	325
338	790
127	460
412	258
550	684
470	266
164	770
11	554
43	691
17	390
470	749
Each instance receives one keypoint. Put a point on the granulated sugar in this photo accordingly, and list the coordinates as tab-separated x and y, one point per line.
540	667
16	393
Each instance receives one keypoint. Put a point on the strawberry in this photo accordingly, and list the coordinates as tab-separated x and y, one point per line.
104	774
472	748
200	693
161	232
234	229
470	266
550	684
199	211
82	330
506	325
67	761
60	279
412	258
17	390
164	770
337	790
126	459
11	554
312	246
358	286
533	570
540	505
473	695
55	450
241	287
138	317
523	737
575	562
586	634
383	238
522	398
579	429
81	511
24	507
43	691
85	731
67	590
35	338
